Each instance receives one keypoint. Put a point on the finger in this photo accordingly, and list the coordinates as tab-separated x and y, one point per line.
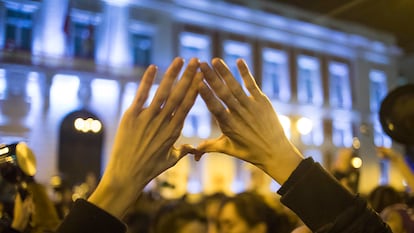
174	123
144	89
220	88
234	86
166	85
182	110
181	89
213	103
248	79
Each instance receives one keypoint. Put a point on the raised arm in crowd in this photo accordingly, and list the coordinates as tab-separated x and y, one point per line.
144	148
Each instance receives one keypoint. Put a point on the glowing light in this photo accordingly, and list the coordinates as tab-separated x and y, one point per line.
79	124
356	143
285	122
96	126
356	162
391	126
88	125
55	181
4	150
304	125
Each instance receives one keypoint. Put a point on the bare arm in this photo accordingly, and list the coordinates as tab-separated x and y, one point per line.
144	142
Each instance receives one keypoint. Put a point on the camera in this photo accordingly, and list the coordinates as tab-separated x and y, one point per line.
17	162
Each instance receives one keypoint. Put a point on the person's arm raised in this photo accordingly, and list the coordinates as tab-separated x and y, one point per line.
251	128
252	132
144	142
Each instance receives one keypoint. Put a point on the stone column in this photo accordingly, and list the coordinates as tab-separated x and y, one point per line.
113	38
48	36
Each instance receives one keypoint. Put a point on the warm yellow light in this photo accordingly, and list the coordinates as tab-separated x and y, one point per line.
356	143
285	122
4	150
79	124
356	162
304	125
390	126
87	125
55	181
96	126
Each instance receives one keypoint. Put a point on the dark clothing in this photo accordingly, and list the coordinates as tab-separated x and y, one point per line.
8	230
87	218
324	205
311	192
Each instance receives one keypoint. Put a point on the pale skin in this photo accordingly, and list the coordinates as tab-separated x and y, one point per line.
250	127
144	142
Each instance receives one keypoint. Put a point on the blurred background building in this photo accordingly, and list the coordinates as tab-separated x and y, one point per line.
68	69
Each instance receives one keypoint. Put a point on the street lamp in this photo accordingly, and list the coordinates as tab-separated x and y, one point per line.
304	125
286	124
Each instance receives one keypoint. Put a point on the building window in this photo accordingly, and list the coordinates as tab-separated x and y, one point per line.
380	138
342	133
315	136
378	89
315	154
84	40
339	85
309	80
141	49
234	50
195	45
197	123
19	24
275	82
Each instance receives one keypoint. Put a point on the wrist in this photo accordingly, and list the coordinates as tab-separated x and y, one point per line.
284	163
18	226
113	198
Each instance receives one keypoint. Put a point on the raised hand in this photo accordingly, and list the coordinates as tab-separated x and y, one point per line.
250	127
22	212
144	142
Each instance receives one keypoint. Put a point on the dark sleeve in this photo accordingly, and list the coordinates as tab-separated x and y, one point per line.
9	230
324	205
85	217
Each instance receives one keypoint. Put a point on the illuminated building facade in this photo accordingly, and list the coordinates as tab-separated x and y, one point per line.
60	57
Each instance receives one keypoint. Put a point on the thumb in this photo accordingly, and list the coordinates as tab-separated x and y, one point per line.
213	145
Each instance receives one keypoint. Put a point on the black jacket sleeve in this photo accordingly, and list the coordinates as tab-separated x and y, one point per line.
324	205
9	230
86	218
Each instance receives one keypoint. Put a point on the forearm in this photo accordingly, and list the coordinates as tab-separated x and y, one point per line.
16	227
323	204
282	166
